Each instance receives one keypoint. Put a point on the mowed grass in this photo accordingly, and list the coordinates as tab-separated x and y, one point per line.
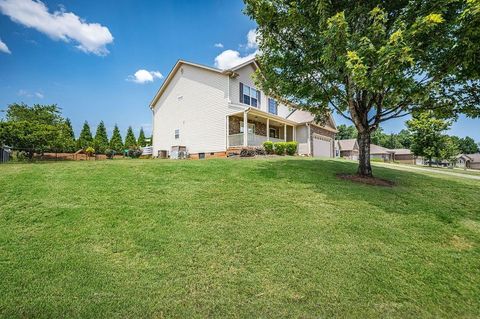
235	238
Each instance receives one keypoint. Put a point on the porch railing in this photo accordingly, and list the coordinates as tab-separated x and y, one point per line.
253	139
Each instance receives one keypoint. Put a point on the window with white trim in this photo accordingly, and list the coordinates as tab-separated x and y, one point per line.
272	106
177	133
249	95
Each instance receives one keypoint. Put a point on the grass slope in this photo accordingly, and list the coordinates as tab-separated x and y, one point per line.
236	238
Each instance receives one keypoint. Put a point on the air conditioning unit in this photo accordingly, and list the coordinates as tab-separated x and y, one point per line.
178	152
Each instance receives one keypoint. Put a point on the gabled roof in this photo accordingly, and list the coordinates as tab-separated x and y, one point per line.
174	70
237	67
474	157
347	145
301	116
402	151
377	149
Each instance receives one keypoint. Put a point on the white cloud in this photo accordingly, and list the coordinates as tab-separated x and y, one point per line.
144	76
59	25
26	93
230	58
252	39
218	45
3	47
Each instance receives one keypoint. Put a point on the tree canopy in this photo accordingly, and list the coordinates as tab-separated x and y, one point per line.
370	61
36	128
428	135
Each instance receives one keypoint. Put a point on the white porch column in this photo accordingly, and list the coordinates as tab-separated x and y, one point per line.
268	129
285	132
294	133
228	132
245	129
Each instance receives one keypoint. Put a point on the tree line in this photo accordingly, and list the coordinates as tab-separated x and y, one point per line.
424	136
42	128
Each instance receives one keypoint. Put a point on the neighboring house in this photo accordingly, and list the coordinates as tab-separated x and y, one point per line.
347	149
468	161
379	152
405	156
211	112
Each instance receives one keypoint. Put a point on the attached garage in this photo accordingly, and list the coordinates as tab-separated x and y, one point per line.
322	146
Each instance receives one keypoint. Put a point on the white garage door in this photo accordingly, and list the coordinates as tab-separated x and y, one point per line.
322	146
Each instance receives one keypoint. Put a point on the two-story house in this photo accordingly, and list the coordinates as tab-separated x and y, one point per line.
211	111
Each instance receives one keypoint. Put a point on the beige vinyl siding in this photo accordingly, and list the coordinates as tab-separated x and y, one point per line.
245	76
195	102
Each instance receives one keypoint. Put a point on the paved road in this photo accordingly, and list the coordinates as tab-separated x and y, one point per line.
426	169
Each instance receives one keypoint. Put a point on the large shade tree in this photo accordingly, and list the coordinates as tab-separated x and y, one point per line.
34	129
370	61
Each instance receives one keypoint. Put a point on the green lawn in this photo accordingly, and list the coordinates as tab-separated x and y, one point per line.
235	238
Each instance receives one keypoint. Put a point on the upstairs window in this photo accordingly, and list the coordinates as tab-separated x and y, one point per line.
272	106
177	133
249	95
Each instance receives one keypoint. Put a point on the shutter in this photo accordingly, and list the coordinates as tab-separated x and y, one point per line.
259	98
241	92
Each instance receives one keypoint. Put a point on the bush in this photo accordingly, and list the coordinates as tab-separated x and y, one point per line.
280	147
268	146
259	150
291	148
110	153
247	152
89	151
134	153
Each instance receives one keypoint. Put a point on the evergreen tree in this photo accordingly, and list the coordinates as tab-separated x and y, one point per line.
101	139
116	143
69	137
85	139
130	141
141	138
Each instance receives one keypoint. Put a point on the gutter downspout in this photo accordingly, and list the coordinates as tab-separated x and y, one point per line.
153	131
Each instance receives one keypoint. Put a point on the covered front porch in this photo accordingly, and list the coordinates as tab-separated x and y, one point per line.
254	127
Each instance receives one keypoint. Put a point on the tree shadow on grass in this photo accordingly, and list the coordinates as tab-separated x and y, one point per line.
414	193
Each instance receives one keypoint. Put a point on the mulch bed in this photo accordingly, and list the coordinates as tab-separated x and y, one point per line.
367	180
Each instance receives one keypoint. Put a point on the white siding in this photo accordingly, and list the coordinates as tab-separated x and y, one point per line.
245	76
195	102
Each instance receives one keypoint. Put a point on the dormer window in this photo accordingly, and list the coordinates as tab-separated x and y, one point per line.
249	95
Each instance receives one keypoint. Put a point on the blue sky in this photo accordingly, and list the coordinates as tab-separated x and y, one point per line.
104	60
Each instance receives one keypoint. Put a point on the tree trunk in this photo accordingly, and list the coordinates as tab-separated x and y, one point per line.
364	167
